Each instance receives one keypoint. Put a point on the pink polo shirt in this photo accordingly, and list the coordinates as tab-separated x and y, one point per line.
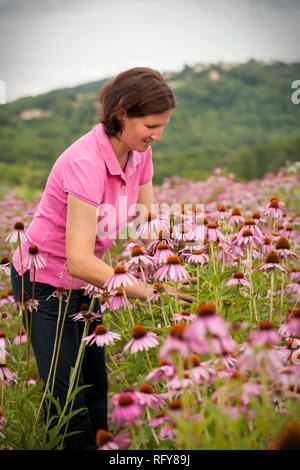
89	170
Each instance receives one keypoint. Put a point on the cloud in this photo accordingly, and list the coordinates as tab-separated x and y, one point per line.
281	4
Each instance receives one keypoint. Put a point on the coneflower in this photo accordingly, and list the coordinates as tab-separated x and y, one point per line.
147	397
283	248
34	258
289	439
163	251
213	232
105	440
141	340
101	337
166	370
139	258
174	343
238	278
289	232
18	233
236	217
272	262
4	266
172	270
222	213
120	278
126	409
273	209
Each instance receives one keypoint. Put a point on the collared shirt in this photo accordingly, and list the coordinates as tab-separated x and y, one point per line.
90	171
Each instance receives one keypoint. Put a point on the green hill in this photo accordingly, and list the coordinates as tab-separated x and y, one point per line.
240	118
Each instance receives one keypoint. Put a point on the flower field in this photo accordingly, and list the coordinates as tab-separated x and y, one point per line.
212	359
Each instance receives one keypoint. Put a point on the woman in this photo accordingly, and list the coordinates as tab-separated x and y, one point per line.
106	167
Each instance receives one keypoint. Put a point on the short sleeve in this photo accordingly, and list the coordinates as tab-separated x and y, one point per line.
146	171
84	179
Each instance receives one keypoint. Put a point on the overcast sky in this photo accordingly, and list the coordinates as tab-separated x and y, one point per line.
48	44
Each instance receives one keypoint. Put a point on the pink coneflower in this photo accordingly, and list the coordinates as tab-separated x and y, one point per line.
114	301
105	440
272	261
274	210
126	409
209	332
257	217
199	229
20	338
247	237
120	278
222	213
18	232
164	236
264	336
263	360
141	340
294	287
34	258
266	246
172	270
213	232
197	372
184	316
4	266
159	419
4	341
60	291
198	257
101	337
139	258
180	382
162	253
151	226
147	397
166	370
283	248
289	232
236	217
292	327
6	375
85	315
238	278
91	290
31	304
174	343
294	274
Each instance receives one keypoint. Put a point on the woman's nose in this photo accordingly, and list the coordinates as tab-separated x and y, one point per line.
157	135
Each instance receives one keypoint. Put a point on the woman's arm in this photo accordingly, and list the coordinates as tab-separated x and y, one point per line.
81	230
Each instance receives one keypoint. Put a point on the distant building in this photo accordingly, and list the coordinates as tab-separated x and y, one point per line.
34	113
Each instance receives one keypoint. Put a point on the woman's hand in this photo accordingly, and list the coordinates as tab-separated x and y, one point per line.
180	295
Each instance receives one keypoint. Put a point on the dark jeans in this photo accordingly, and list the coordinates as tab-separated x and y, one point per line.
44	321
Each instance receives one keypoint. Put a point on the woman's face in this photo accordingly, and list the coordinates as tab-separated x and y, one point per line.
140	132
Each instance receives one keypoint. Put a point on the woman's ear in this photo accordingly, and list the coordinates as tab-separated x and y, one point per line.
121	114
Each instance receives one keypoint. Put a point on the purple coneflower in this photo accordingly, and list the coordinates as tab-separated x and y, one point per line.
289	232
174	343
34	258
20	338
213	232
272	261
265	335
162	253
101	337
141	340
18	232
85	315
31	304
139	258
126	409
120	278
105	440
283	248
6	375
184	316
166	370
173	270
238	278
236	217
197	256
273	209
294	287
222	213
4	266
266	246
147	397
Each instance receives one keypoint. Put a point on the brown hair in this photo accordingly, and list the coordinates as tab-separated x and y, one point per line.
139	91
